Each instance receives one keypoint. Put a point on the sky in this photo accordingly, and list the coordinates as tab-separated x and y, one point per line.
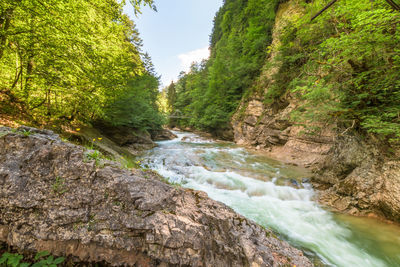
176	35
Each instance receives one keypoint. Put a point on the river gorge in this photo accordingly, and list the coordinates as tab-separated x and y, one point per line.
276	196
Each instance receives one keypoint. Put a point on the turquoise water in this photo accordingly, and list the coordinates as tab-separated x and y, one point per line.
276	196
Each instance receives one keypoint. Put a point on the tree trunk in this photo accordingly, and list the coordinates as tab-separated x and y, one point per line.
5	22
5	19
48	95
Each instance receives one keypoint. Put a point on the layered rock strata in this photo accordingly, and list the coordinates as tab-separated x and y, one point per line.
54	197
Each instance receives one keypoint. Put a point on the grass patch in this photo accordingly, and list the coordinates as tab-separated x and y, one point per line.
59	186
97	156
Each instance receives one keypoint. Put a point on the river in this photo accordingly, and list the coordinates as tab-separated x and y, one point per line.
276	196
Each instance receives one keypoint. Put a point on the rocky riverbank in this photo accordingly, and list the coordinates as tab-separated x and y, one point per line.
355	173
55	196
122	140
352	174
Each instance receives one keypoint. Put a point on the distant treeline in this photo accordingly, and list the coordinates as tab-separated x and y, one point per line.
342	68
212	90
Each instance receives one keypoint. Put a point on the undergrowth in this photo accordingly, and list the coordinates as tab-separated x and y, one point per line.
41	259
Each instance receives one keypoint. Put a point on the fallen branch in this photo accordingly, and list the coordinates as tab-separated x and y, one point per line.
352	126
393	5
323	10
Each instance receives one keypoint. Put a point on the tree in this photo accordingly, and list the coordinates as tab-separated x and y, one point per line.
171	95
71	59
211	92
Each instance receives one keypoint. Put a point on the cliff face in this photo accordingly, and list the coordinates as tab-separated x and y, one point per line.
353	174
269	126
358	177
56	197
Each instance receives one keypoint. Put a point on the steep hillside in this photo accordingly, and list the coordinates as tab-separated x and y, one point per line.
209	94
328	99
75	61
326	96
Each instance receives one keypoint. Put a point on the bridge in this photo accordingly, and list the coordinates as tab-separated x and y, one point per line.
178	115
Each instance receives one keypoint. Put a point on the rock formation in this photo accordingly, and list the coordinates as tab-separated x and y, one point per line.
359	177
162	135
354	174
54	197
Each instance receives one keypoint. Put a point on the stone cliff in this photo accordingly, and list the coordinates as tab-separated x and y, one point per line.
54	197
353	174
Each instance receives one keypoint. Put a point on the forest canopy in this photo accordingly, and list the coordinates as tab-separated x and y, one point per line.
80	59
212	90
342	67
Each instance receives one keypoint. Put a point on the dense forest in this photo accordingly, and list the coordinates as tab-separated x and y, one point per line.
212	90
80	60
342	67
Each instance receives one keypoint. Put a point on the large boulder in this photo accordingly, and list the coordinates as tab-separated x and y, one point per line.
162	135
358	177
124	136
54	197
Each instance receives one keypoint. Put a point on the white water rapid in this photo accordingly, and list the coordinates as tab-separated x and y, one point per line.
275	196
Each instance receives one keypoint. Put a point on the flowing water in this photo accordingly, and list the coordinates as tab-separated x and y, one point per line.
276	196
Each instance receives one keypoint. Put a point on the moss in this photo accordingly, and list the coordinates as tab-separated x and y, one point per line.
59	186
91	223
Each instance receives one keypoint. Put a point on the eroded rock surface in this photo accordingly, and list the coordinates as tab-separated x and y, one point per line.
360	178
269	127
162	135
53	198
354	174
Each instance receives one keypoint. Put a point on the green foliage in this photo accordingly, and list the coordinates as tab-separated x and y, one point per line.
350	68
26	133
171	95
95	155
136	106
50	261
42	259
344	66
12	260
59	186
66	60
210	93
23	132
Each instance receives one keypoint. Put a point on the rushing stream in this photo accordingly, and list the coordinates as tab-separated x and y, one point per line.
276	196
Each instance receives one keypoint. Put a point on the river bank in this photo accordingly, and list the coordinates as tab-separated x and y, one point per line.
59	197
350	174
310	104
353	173
275	195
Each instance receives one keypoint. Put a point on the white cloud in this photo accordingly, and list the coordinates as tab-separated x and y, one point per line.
193	56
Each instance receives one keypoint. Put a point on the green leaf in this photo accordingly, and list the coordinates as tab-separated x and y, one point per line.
41	254
3	258
59	260
50	259
39	264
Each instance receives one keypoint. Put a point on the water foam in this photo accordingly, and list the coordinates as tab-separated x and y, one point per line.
287	210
